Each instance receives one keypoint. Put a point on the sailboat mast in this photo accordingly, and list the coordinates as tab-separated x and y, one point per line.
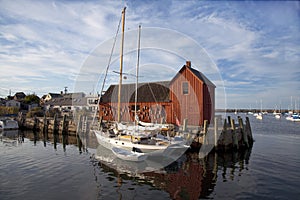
137	71
121	65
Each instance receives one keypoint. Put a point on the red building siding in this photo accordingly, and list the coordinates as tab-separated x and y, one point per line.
198	104
148	111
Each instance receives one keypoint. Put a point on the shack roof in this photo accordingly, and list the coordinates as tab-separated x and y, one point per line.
147	92
198	74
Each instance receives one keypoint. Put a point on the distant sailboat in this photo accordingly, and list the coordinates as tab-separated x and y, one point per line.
260	115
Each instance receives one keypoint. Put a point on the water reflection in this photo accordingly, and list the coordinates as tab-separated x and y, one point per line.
11	137
187	178
82	140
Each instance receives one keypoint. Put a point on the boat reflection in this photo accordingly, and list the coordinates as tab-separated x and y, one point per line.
11	137
189	177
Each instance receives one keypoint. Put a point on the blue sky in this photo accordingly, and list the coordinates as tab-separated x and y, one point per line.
252	48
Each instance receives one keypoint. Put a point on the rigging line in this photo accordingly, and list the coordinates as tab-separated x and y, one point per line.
152	93
109	62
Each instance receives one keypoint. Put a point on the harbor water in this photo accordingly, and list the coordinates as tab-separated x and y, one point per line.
47	166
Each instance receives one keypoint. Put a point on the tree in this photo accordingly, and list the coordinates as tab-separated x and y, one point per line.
32	98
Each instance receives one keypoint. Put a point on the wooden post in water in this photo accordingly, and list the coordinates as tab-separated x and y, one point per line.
205	131
243	132
229	120
65	125
34	123
234	135
45	125
185	122
55	125
249	131
224	134
216	133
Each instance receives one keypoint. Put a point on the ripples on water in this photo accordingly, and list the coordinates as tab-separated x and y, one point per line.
37	166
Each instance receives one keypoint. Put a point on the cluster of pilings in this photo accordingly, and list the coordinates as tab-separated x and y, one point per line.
228	135
56	125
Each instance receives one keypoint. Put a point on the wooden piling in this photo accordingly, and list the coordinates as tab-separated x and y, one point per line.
229	120
234	135
249	131
35	123
55	125
205	128
216	132
185	122
65	124
243	132
45	125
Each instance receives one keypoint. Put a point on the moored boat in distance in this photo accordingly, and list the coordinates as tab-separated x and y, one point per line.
259	116
8	124
294	117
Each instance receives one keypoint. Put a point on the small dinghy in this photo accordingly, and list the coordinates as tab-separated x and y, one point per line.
133	155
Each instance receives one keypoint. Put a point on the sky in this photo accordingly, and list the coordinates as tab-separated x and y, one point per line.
249	49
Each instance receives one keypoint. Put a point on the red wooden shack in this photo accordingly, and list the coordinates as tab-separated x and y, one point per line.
188	95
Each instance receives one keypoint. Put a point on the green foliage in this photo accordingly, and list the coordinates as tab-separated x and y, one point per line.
8	110
32	98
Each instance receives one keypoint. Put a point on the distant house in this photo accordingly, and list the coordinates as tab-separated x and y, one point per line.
92	102
3	102
67	102
19	96
50	96
189	95
42	100
13	103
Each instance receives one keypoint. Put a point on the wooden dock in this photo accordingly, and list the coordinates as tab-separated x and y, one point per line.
222	135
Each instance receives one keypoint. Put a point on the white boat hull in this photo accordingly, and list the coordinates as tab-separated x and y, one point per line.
8	124
109	143
260	117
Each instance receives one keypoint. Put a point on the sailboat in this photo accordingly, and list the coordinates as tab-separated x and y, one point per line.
127	138
138	125
260	115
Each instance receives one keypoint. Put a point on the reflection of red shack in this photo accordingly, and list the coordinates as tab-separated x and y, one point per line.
188	95
184	184
191	181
